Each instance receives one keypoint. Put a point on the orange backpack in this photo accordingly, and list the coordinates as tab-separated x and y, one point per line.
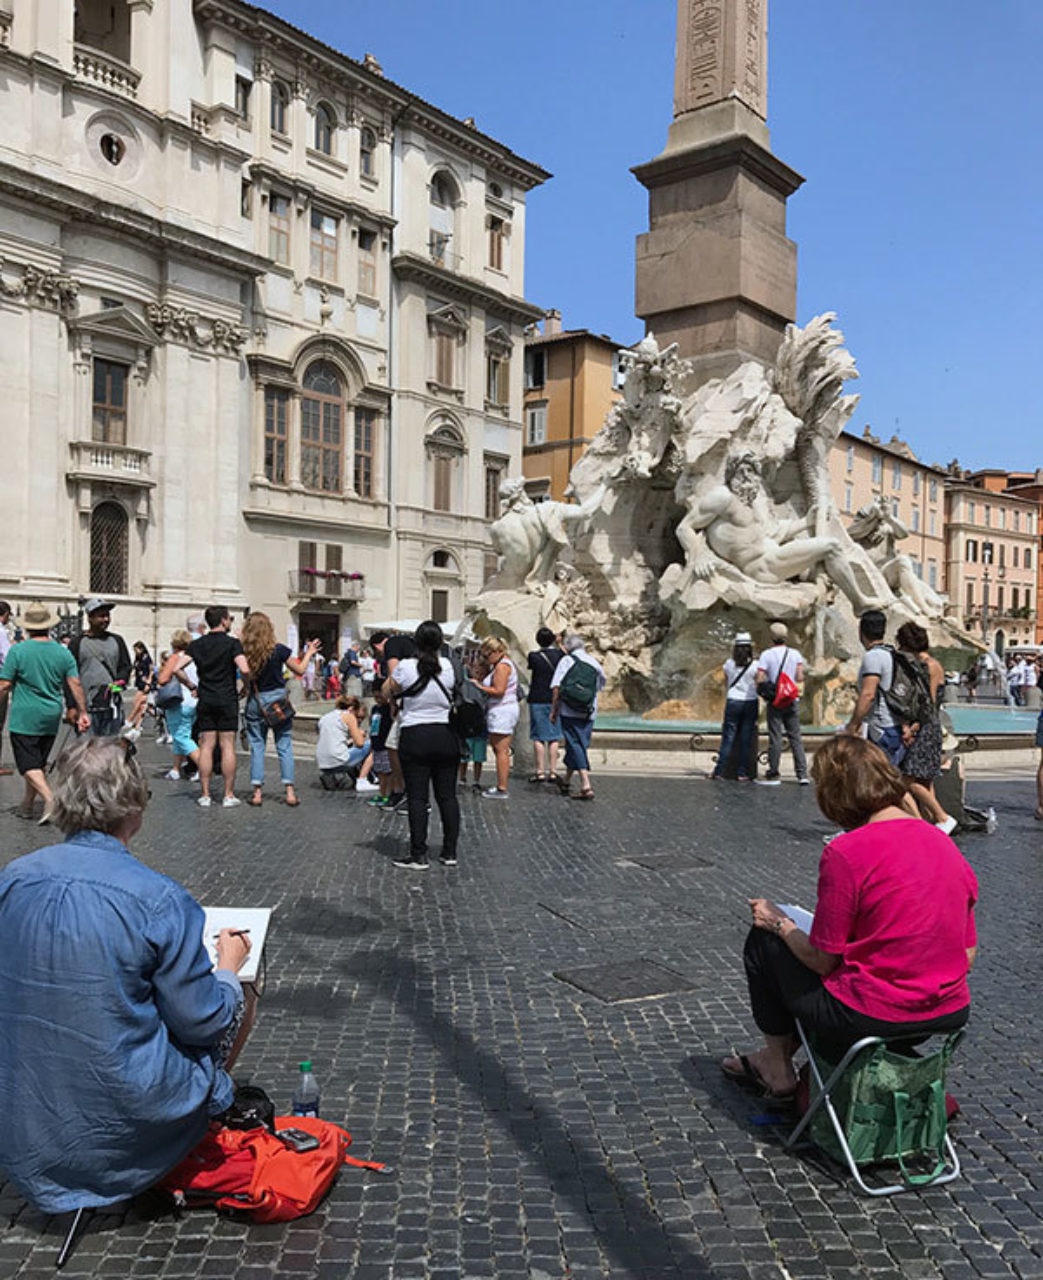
253	1172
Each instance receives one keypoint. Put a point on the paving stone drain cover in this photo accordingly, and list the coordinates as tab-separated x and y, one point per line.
636	979
666	861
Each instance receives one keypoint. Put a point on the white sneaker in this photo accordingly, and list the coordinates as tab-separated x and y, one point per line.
948	826
365	786
204	802
494	793
173	775
230	802
130	733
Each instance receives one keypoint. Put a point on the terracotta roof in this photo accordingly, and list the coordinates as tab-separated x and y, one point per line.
214	8
902	451
539	339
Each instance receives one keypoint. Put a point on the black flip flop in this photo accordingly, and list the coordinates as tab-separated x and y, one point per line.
750	1078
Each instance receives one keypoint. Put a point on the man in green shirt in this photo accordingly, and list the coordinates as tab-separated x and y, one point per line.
35	674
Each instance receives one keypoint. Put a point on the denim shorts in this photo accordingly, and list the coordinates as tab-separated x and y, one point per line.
540	727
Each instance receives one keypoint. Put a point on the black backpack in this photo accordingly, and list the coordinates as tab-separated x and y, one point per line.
909	697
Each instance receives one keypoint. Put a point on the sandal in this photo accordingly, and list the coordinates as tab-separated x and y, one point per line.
584	795
750	1078
560	783
535	777
256	801
293	803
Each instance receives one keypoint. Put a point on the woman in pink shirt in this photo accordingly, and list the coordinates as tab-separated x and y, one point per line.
893	937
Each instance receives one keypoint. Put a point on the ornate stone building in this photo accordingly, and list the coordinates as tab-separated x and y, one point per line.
261	315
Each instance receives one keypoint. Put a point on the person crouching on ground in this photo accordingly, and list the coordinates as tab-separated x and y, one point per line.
893	937
116	1034
342	747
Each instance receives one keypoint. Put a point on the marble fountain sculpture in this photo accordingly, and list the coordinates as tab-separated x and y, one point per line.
699	514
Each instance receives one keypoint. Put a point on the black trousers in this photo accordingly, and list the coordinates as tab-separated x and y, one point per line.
781	989
430	756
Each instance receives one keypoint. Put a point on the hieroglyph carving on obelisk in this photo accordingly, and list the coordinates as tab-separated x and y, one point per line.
722	53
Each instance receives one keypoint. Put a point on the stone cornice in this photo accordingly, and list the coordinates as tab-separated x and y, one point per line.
320	195
81	206
411	266
737	150
305	51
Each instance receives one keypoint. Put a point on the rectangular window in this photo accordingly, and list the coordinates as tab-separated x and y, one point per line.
445	358
497	378
849	495
933	490
497	236
334	567
918	569
365	434
619	373
368	263
932	574
894	507
1002	513
276	412
307	555
970	596
1017	521
850	458
109	408
321	445
878	469
279	229
999	598
246	200
972	512
1015	597
242	97
896	474
1028	558
439	605
1014	556
536	424
535	369
988	517
323	246
916	519
493	478
1003	555
916	484
442	469
932	524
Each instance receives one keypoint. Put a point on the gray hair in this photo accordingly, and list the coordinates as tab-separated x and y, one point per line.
572	643
196	622
97	785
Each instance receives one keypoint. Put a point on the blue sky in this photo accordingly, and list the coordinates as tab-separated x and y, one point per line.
915	123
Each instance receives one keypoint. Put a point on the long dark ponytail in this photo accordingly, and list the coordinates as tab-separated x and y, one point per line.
429	641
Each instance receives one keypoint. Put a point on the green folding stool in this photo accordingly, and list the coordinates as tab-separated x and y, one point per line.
878	1105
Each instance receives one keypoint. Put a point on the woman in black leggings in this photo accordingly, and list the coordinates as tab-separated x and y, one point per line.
428	747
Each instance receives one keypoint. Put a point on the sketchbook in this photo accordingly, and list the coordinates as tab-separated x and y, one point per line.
801	916
256	919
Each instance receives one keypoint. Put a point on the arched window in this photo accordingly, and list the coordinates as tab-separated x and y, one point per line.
325	127
322	429
110	548
280	106
367	153
444	198
445	449
442	560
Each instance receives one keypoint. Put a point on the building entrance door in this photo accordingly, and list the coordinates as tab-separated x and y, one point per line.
322	626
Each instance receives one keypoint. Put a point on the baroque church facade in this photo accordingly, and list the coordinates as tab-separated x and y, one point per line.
261	320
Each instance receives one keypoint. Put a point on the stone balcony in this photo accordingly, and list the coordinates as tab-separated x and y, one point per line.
326	584
105	71
119	463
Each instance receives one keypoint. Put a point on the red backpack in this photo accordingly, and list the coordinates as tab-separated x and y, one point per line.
255	1173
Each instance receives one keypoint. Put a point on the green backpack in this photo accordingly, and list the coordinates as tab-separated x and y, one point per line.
579	687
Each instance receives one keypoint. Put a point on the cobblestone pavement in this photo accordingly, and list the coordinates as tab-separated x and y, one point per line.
538	1131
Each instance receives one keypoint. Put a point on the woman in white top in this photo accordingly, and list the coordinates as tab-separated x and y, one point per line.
342	747
501	713
740	709
428	747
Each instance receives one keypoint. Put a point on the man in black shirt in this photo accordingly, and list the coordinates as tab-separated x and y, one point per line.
218	656
543	732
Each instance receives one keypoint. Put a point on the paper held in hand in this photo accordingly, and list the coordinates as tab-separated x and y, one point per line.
800	916
255	919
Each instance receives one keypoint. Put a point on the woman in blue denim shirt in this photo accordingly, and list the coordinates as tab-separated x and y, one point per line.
115	1031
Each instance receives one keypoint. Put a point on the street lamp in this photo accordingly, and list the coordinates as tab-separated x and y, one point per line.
986	559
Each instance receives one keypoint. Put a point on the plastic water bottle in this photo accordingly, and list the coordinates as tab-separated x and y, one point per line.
306	1095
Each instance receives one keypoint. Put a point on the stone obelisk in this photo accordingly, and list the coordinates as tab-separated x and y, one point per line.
715	271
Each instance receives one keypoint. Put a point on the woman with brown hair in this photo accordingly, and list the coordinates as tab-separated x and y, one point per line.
501	713
922	761
893	936
265	687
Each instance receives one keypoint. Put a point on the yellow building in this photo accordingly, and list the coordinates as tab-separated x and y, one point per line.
572	380
863	468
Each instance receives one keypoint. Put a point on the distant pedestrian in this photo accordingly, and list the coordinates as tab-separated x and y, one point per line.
428	747
106	670
971	680
36	674
368	667
740	709
5	645
778	660
176	702
543	733
875	677
502	711
575	685
922	761
390	651
265	689
218	657
350	671
143	667
379	762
